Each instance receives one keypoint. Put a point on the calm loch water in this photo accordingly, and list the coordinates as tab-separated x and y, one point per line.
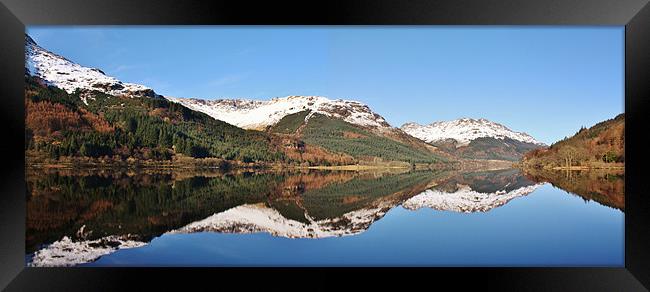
315	218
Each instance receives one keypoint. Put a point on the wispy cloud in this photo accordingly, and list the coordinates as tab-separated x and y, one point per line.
155	84
116	53
245	51
122	68
227	80
92	36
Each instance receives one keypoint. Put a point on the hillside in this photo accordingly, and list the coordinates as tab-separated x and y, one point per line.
474	139
61	124
338	136
317	130
110	128
260	114
58	71
75	112
601	146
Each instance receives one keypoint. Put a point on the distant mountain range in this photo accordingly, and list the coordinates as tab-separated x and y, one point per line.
464	131
477	139
328	127
474	192
310	129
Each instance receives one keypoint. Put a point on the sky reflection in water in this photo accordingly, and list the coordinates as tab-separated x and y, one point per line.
546	227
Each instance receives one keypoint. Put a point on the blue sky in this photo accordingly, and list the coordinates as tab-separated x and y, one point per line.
546	81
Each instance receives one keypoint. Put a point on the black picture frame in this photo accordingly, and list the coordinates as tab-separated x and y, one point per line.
633	14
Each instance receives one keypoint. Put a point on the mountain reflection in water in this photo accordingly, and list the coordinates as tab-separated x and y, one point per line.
606	187
77	217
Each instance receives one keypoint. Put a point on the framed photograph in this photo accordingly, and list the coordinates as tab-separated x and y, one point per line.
168	143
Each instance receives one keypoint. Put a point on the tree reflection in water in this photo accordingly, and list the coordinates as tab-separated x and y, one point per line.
108	208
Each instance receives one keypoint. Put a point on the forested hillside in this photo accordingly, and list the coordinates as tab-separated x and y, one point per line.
95	125
600	146
340	137
488	148
60	124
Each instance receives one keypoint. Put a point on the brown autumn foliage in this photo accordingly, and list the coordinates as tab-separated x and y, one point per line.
351	199
599	146
45	211
47	119
96	208
297	150
352	135
606	187
98	123
294	186
166	115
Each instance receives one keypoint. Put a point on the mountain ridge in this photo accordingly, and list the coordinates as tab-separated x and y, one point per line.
260	114
58	71
146	125
470	138
464	130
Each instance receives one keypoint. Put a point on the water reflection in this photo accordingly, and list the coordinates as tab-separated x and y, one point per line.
77	217
473	192
606	187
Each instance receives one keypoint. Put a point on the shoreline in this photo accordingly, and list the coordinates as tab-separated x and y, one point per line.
570	168
220	165
588	167
171	166
211	164
353	167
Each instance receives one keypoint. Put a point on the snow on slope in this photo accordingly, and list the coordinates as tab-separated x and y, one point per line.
248	218
60	72
253	218
465	199
66	252
464	131
258	114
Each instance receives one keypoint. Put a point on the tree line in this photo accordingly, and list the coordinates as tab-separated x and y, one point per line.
60	124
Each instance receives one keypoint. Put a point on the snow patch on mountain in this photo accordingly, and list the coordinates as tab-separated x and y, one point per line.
465	199
258	114
253	218
464	131
58	71
66	252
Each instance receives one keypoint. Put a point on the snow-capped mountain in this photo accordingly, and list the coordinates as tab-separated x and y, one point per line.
464	131
247	218
258	114
465	199
66	252
474	192
253	218
456	192
60	72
